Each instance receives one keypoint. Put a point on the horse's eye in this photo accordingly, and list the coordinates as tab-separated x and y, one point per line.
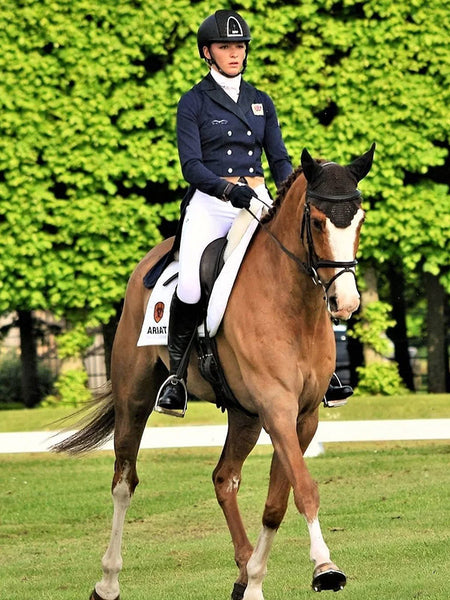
317	224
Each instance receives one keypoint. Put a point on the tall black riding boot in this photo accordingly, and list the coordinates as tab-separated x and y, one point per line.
183	321
337	394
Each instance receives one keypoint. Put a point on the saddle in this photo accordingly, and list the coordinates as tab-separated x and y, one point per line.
216	285
212	263
208	358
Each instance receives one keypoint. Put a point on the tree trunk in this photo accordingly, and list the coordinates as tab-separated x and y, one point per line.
31	393
398	332
436	338
356	353
370	294
109	332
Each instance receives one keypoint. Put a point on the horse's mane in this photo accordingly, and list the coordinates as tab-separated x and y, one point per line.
281	193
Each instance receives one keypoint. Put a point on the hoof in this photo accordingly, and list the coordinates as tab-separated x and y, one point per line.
95	596
328	577
238	591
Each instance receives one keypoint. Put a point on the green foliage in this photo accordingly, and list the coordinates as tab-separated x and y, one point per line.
370	326
381	378
70	389
88	159
73	342
83	143
11	380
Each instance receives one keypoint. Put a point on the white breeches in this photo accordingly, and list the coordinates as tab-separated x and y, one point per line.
207	219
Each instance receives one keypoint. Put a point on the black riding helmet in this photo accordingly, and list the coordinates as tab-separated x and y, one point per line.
223	26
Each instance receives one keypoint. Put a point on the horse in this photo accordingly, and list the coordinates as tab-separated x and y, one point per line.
277	350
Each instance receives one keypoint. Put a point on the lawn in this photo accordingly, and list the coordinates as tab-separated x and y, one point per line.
411	406
385	515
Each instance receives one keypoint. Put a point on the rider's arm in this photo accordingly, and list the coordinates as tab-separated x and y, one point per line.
190	149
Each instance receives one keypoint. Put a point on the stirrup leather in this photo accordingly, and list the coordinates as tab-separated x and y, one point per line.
176	412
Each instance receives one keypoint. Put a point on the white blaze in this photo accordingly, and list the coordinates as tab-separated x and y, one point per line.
342	244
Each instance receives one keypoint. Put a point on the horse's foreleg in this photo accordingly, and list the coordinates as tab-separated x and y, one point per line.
326	573
289	445
319	552
274	511
243	433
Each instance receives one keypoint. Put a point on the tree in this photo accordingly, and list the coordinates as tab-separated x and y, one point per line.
80	197
30	377
88	163
436	342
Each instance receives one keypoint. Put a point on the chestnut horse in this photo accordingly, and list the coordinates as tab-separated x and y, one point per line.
277	349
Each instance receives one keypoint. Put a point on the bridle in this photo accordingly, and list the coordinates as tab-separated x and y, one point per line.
313	263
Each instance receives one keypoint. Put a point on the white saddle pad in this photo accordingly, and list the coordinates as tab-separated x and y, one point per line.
156	321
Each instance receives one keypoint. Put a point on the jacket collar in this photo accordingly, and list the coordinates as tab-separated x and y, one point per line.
216	93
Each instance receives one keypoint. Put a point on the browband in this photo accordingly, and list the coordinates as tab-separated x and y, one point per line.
356	195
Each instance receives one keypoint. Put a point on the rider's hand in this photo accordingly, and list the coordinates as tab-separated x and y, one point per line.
241	195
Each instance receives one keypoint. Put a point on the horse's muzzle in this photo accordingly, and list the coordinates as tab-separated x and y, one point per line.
342	311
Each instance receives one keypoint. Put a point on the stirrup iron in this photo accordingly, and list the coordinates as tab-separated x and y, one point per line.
334	403
176	412
339	401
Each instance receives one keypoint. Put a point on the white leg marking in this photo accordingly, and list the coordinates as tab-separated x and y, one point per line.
108	587
257	565
319	552
233	484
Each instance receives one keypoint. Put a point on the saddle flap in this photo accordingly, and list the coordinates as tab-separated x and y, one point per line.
217	277
211	265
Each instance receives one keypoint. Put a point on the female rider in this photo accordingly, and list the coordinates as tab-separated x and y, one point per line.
223	126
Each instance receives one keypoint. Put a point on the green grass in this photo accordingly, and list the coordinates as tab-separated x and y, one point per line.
408	406
413	406
384	513
48	419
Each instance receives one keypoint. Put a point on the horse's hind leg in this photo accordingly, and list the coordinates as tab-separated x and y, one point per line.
124	482
136	378
243	433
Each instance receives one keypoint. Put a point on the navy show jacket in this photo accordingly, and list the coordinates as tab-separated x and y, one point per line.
218	137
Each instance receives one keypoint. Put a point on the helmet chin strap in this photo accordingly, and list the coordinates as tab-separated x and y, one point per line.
212	61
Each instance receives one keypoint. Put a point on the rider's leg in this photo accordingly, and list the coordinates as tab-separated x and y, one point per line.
207	218
337	395
182	324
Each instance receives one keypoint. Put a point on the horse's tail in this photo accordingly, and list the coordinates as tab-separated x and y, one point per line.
95	427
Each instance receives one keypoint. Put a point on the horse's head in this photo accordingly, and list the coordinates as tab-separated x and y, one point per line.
331	225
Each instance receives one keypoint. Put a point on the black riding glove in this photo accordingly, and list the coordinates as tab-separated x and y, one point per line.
239	195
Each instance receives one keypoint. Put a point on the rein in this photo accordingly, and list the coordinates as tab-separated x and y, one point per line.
313	263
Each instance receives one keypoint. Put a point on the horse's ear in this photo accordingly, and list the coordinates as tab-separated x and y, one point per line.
311	168
361	166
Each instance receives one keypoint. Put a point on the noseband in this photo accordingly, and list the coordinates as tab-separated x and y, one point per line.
313	263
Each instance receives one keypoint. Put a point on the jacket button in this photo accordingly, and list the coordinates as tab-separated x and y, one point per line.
230	170
230	132
229	152
249	132
251	170
250	152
